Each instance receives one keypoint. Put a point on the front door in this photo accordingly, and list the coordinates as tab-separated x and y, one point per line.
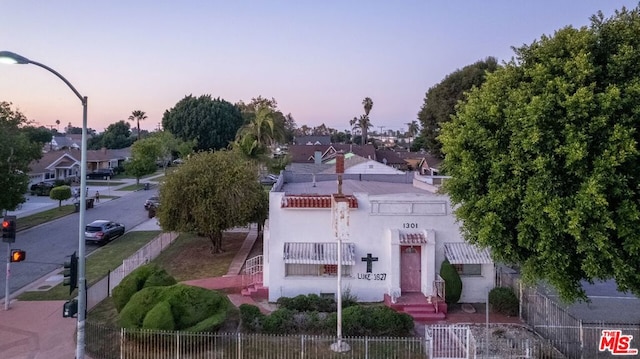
410	272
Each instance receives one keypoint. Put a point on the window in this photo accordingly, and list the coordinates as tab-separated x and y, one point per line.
315	270
469	269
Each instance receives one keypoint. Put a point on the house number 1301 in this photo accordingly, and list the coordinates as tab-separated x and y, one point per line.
409	225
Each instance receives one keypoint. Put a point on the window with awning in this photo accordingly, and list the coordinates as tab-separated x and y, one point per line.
318	253
465	253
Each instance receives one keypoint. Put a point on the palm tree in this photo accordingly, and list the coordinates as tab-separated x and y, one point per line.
412	130
363	123
256	136
138	116
368	104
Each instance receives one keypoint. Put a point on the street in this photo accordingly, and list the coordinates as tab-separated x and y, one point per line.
47	245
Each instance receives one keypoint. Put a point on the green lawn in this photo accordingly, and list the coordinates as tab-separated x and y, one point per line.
43	217
189	257
98	264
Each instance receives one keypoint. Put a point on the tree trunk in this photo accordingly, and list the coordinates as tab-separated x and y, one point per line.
216	242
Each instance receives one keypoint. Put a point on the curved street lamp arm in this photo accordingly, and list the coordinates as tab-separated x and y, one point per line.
82	98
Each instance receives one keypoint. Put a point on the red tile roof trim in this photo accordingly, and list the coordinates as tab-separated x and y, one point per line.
412	238
313	201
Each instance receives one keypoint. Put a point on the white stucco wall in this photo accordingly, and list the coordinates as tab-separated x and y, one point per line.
371	226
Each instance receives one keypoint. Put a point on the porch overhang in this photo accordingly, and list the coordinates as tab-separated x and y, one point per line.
465	253
318	253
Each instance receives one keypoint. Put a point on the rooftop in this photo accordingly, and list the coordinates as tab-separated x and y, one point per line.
352	186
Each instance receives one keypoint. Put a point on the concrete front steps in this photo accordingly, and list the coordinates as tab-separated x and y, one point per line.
256	291
417	306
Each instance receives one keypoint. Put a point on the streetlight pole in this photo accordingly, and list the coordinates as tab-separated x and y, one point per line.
13	58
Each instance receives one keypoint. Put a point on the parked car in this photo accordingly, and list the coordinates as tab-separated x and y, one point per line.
152	202
102	231
41	189
101	173
268	179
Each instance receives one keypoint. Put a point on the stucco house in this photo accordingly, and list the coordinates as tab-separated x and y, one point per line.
398	236
65	165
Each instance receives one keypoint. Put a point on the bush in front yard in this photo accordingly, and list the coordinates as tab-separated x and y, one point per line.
308	303
60	193
251	318
452	282
503	300
149	275
373	321
188	308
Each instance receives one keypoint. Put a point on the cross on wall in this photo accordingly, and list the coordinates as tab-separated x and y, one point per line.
369	259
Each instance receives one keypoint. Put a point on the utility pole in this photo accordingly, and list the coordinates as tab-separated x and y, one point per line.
381	127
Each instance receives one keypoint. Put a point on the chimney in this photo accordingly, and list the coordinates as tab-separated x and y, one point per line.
339	170
340	162
317	157
104	150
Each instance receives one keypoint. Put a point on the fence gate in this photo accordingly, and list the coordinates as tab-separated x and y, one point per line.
448	341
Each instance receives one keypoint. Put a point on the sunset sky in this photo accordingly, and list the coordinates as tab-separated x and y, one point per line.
318	59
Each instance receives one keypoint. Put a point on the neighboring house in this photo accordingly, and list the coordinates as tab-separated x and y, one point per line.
422	162
62	165
105	158
398	236
354	164
62	143
312	140
65	165
321	153
393	159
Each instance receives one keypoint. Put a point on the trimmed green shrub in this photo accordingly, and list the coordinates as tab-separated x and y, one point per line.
191	308
136	280
308	303
133	313
60	193
452	282
159	317
503	300
373	321
280	321
250	317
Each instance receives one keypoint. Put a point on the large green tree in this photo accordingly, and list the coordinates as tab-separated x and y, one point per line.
117	135
440	100
209	193
544	157
18	147
144	155
213	123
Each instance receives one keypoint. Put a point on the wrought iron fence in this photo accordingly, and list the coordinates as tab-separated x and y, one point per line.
103	287
108	343
440	342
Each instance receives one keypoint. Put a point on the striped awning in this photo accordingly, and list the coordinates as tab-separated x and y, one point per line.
465	253
318	253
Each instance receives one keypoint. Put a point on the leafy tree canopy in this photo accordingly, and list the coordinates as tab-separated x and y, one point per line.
213	123
117	135
441	99
544	157
209	193
283	125
18	147
144	154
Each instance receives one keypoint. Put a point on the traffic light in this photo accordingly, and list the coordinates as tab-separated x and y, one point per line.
17	255
9	229
70	308
71	272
